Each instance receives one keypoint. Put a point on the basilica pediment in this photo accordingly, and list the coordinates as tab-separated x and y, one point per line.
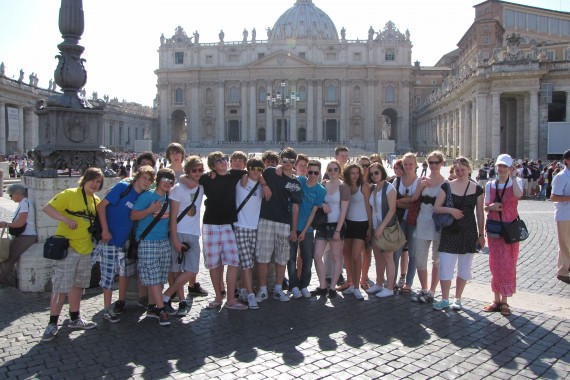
281	59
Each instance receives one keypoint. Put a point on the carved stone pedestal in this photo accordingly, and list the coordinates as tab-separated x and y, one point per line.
386	146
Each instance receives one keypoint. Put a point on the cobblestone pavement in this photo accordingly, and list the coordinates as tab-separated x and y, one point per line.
308	338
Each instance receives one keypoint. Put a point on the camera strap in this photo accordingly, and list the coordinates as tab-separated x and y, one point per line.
155	220
183	213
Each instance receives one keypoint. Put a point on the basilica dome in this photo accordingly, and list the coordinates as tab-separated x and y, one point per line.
304	21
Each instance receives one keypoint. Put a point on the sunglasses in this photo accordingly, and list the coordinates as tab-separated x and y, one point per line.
375	173
220	160
332	169
313	172
434	162
168	180
256	169
365	165
198	170
288	160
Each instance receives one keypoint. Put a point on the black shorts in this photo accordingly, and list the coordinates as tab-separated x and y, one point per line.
356	230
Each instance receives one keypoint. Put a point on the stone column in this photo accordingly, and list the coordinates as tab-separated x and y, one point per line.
467	130
481	126
526	110
195	134
269	117
221	118
495	124
253	110
567	105
244	103
460	130
404	125
533	130
369	122
449	133
310	110
3	128
473	126
520	127
343	108
164	125
510	135
320	129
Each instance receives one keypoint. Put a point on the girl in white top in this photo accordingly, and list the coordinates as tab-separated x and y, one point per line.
336	200
378	175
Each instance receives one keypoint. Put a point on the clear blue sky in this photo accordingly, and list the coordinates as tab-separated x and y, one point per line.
121	37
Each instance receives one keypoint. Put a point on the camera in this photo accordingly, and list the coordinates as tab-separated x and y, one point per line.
185	247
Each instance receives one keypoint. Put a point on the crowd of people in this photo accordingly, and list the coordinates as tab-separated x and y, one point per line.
280	214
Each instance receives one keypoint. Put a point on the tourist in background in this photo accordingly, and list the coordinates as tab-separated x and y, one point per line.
561	197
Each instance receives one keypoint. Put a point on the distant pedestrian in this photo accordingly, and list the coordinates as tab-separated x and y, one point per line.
561	197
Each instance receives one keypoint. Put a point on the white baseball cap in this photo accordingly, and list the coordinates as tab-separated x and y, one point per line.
504	159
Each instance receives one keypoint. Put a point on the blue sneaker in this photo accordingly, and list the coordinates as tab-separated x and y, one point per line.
443	304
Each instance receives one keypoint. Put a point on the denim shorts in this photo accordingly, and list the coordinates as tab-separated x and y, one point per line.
327	232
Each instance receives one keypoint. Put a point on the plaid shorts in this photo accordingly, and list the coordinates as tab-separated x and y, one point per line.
154	261
191	260
272	236
219	245
73	271
246	241
113	261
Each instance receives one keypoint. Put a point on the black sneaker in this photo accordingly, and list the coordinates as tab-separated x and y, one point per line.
332	293
110	315
169	309
319	292
328	281
119	307
197	290
152	313
163	318
341	280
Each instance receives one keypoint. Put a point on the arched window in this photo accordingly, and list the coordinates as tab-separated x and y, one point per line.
234	94
209	96
357	93
262	95
331	93
302	94
179	96
390	96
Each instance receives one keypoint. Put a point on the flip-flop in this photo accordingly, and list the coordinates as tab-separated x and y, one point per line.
492	307
214	305
236	306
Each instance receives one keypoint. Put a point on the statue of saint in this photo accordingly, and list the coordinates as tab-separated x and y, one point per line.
245	34
196	37
269	32
253	35
221	35
343	34
386	130
21	79
370	33
2	69
162	39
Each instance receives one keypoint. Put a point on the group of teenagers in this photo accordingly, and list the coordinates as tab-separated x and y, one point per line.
259	212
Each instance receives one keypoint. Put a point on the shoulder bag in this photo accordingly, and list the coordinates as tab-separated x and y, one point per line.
494	228
4	245
56	247
393	238
133	248
17	231
444	220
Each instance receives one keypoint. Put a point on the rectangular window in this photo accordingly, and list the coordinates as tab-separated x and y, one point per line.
209	59
233	57
301	110
509	18
390	55
302	55
331	56
543	24
551	56
261	110
532	21
331	110
521	20
554	26
260	55
262	96
357	57
179	58
233	111
485	39
565	27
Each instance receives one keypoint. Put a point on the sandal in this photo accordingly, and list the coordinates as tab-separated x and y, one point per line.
405	291
214	305
505	310
364	285
344	286
495	306
236	306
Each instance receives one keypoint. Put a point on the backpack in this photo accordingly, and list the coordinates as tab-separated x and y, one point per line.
482	173
535	174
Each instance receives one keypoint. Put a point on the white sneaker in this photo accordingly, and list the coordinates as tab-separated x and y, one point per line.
243	297
349	290
279	295
385	293
252	303
306	293
261	296
357	294
374	289
296	292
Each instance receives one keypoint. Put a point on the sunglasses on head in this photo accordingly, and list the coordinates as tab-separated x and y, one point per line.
256	169
220	160
332	169
288	160
313	172
167	180
198	170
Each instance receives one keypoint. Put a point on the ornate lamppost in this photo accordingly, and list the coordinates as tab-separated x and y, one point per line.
283	102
